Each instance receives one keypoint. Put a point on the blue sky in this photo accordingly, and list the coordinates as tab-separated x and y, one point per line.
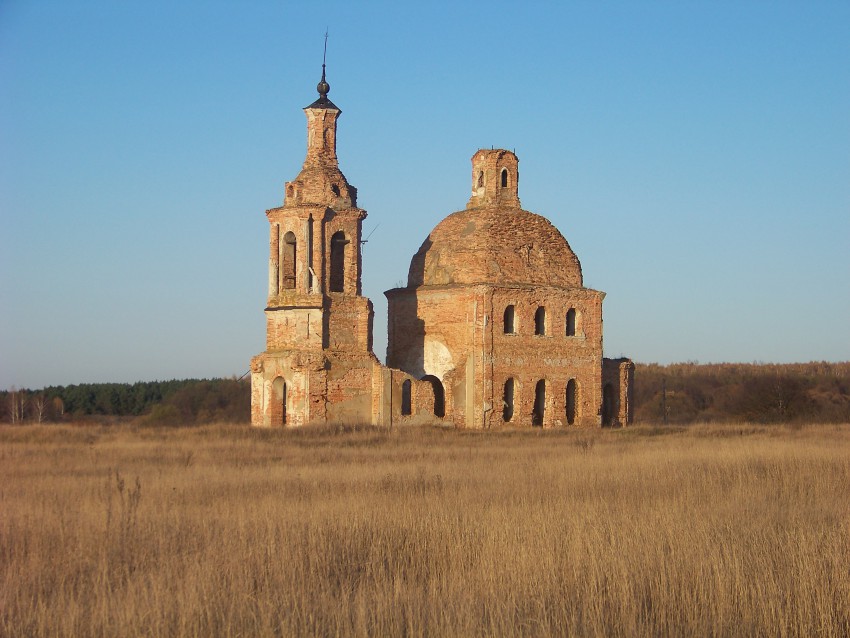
696	155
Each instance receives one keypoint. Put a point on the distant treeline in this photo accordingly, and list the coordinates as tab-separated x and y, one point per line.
755	392
685	392
186	402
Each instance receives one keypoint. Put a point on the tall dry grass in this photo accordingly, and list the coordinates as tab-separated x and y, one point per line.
228	531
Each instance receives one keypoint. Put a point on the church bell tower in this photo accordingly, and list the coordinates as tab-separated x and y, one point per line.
316	317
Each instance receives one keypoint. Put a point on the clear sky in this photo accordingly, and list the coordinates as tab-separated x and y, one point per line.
696	155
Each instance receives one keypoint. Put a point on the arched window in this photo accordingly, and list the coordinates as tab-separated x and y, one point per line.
539	403
405	398
481	179
335	189
504	178
571	322
287	262
439	395
509	321
572	401
278	402
508	401
338	243
540	321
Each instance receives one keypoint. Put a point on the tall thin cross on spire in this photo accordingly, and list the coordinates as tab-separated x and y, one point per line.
325	54
323	86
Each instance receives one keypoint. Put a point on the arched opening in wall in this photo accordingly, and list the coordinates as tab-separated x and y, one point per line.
540	321
572	401
338	243
308	244
278	402
287	263
335	189
571	322
609	405
406	407
504	178
480	179
290	191
539	403
439	395
510	314
508	401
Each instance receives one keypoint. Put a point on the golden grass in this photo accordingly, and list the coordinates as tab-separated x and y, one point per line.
229	531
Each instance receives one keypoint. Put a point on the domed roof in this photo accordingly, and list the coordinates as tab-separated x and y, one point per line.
495	245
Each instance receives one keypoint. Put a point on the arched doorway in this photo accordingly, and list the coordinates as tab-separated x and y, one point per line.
539	403
278	402
572	401
508	401
439	395
609	405
406	403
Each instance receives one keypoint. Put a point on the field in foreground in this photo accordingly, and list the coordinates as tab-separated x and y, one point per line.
228	531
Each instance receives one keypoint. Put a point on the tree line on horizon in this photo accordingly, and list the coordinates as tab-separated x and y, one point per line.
174	402
678	393
682	393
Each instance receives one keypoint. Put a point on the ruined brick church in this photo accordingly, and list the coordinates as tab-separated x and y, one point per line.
494	328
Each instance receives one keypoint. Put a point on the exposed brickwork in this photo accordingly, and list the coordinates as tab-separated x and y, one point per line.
494	327
618	374
495	245
318	365
468	337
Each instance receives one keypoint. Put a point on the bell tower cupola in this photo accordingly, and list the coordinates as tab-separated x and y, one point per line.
321	127
320	180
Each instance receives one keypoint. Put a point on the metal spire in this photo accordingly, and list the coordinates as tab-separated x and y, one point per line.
323	87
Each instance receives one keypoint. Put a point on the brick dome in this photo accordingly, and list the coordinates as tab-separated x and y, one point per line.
495	245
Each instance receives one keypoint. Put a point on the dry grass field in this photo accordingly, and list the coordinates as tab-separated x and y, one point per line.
229	531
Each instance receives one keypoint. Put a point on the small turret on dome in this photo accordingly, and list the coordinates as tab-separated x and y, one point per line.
495	179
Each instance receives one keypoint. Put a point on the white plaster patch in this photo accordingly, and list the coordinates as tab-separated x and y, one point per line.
437	360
